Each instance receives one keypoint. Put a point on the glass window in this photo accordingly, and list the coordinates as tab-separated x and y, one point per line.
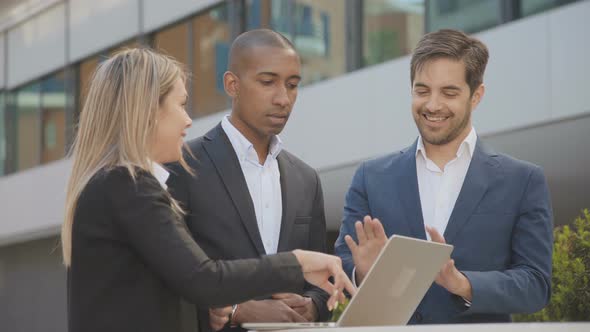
71	75
530	7
316	28
467	15
174	41
257	14
211	42
53	118
391	28
3	134
9	132
28	126
85	72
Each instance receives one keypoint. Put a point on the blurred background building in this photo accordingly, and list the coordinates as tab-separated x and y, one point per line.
354	103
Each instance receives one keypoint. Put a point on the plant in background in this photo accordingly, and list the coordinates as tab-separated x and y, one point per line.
337	312
570	300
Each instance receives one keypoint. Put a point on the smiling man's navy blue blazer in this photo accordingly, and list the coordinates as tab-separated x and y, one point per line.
501	228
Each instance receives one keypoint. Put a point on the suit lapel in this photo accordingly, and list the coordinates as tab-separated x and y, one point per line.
481	172
290	190
408	192
226	162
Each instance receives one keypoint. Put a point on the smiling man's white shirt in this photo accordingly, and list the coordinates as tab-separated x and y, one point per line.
439	189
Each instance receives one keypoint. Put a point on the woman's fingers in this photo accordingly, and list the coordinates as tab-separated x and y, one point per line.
318	268
344	283
341	281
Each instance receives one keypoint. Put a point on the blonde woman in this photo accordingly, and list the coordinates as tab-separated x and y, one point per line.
129	257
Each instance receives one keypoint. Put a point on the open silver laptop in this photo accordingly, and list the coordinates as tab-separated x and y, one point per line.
392	289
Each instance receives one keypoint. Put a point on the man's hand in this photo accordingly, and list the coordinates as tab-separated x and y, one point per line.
372	239
449	277
218	317
302	305
266	311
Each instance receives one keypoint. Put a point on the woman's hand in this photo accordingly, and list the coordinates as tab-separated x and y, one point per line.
318	268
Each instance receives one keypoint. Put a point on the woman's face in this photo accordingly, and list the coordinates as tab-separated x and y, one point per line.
171	124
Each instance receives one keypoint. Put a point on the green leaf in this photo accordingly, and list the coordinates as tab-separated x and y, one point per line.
570	300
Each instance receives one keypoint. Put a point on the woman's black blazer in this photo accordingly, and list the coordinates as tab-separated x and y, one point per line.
133	260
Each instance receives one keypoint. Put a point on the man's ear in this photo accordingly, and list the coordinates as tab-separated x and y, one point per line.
477	96
231	84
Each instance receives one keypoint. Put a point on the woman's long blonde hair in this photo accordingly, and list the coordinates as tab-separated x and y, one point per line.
117	123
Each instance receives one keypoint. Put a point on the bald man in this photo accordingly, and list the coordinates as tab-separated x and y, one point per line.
250	197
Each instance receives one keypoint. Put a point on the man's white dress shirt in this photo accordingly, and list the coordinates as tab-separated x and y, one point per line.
264	183
439	188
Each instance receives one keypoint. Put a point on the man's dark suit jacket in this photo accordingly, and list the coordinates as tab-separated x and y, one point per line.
133	259
220	212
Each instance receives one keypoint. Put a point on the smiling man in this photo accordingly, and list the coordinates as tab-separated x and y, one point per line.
494	209
250	197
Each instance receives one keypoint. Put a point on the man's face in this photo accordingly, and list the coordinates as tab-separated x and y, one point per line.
265	90
441	101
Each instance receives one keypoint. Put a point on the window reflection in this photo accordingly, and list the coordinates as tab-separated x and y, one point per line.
174	41
211	33
530	7
53	117
3	134
316	28
466	15
86	70
10	121
391	28
28	126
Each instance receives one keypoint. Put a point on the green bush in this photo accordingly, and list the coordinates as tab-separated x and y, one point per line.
337	312
570	300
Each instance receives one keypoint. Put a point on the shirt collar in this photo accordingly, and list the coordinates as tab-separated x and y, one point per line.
244	149
468	143
161	174
276	146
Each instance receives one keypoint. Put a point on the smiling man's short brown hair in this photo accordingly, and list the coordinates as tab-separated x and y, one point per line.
452	44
